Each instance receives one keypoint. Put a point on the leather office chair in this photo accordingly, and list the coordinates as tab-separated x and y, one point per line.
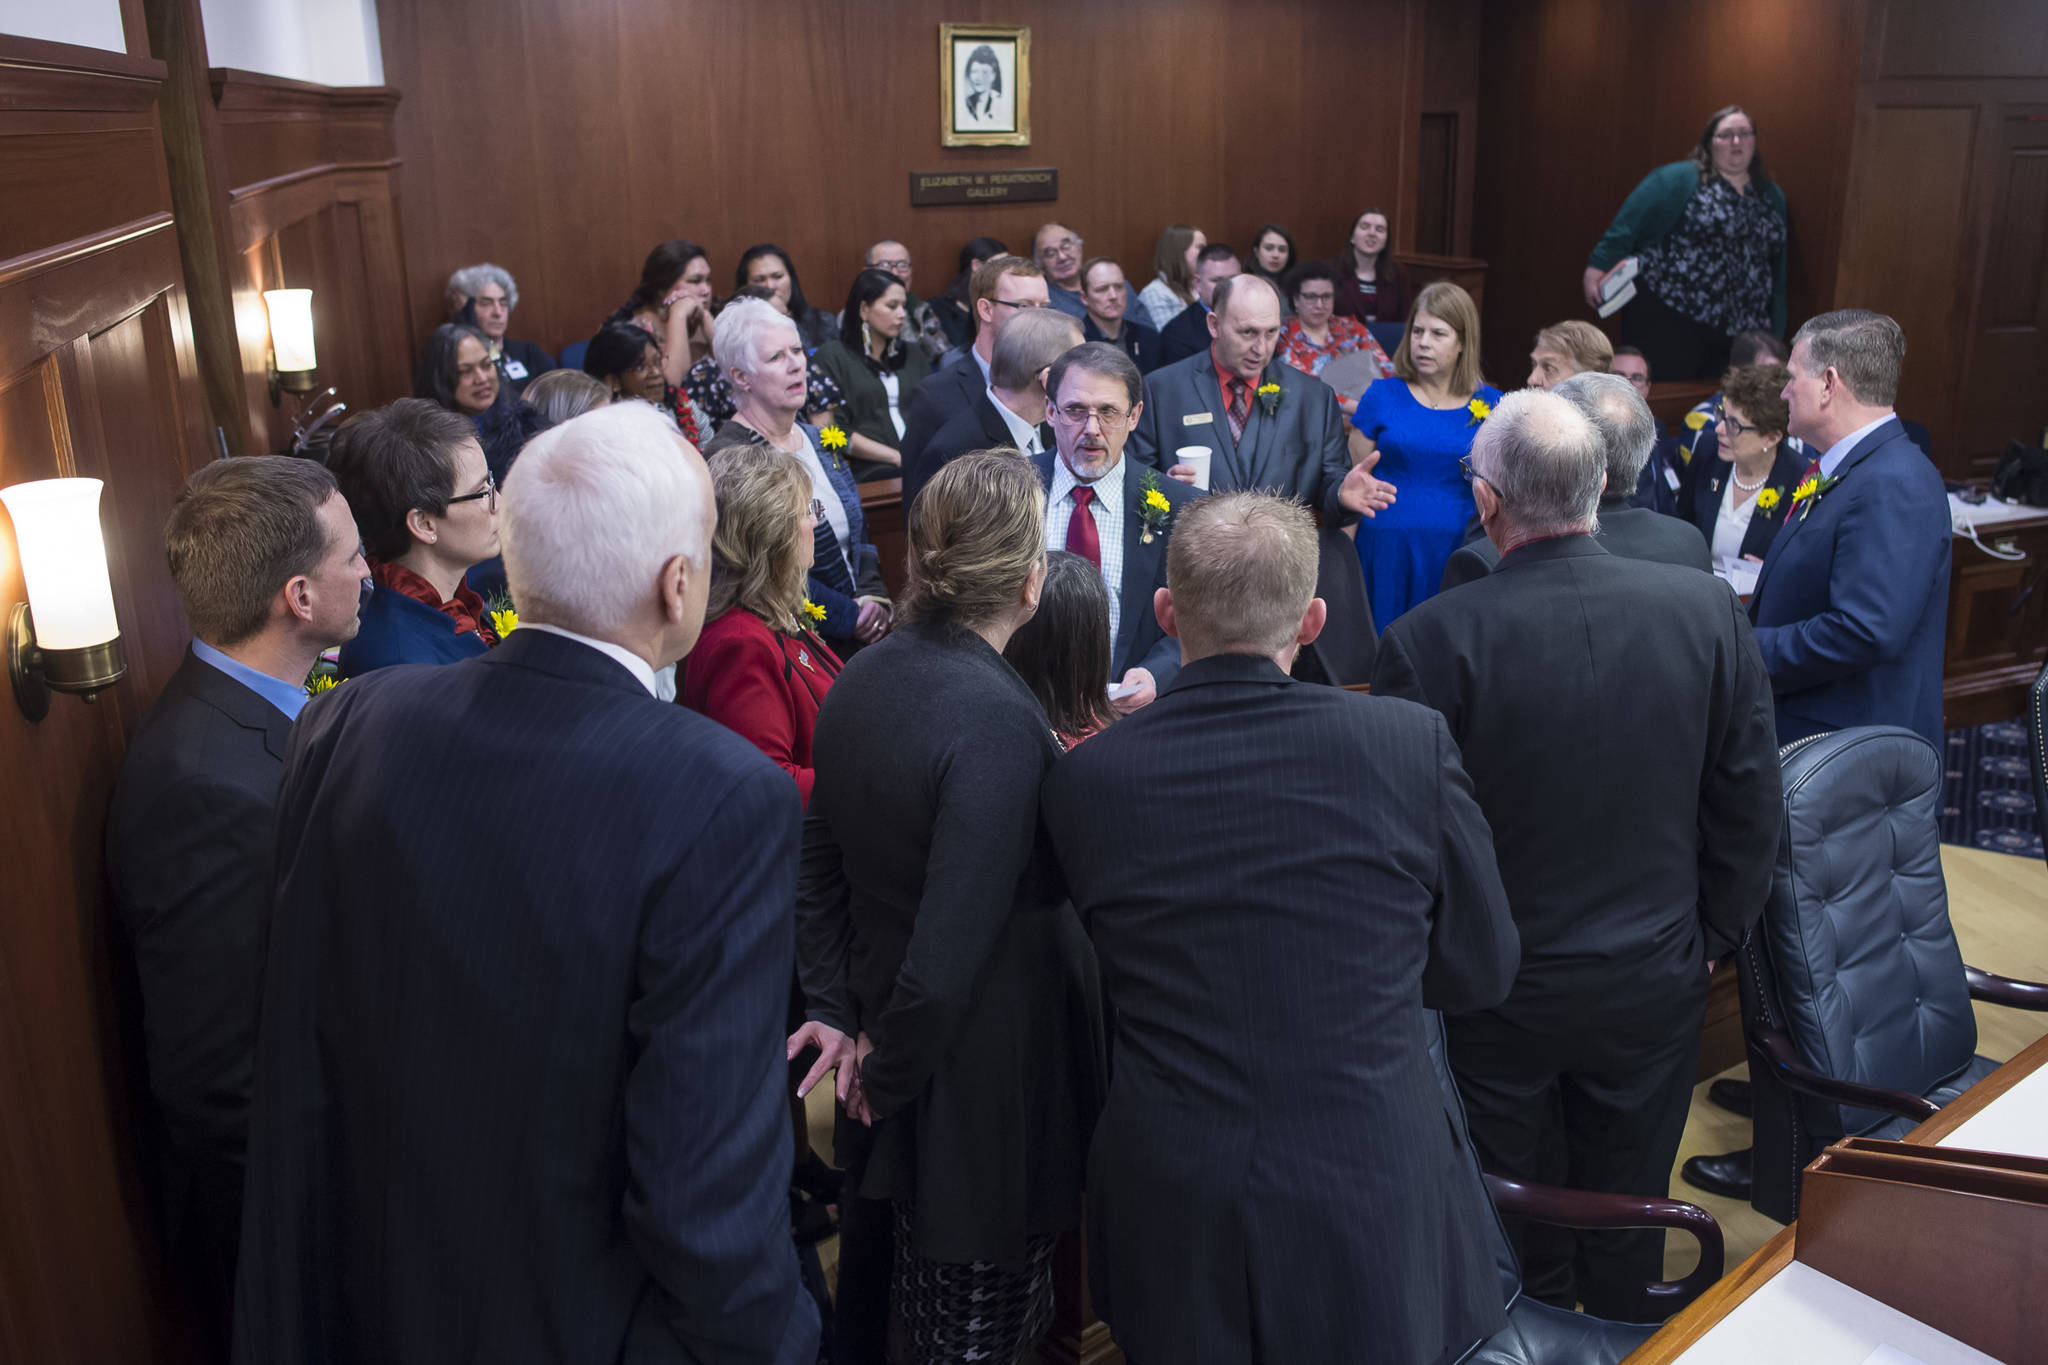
1538	1333
1855	999
2037	743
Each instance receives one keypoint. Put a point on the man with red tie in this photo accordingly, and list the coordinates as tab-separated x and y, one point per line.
1115	513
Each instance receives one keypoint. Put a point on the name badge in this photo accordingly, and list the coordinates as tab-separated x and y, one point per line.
1671	477
513	369
1196	419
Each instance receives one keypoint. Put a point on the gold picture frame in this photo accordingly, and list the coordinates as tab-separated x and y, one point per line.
986	113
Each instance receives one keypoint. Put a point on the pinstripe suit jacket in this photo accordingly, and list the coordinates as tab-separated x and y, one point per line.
519	1076
1276	1175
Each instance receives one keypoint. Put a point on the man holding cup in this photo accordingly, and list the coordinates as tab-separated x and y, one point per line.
1117	514
1267	426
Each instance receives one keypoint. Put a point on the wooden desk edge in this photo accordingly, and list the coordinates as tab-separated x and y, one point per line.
1677	1335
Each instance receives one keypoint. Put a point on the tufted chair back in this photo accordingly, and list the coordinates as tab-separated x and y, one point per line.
1854	957
2037	742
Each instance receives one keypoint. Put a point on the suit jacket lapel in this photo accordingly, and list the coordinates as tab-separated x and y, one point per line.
239	703
1209	394
1890	428
1140	569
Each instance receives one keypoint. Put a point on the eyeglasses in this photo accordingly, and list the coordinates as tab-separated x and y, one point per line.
1013	303
1315	298
1472	475
893	267
1077	415
489	492
1063	246
1735	427
1736	135
650	364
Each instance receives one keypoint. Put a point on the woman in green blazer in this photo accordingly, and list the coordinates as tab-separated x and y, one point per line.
878	368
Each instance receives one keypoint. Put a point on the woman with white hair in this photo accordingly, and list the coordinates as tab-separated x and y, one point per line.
492	294
762	356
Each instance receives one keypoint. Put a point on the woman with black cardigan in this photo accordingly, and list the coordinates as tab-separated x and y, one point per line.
936	945
877	369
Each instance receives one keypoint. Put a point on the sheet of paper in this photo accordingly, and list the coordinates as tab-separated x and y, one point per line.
2016	1121
1802	1315
1741	577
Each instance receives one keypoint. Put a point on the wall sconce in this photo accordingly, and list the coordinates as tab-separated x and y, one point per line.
292	360
70	640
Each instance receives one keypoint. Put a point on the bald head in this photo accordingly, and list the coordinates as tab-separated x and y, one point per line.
1545	462
1245	324
1627	430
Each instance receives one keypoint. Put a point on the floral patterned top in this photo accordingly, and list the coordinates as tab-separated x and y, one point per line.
712	391
1715	266
1344	335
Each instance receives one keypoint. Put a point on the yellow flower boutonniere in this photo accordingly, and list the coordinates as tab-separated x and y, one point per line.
1153	508
1480	410
832	438
812	611
320	682
1809	492
504	622
1767	499
1269	398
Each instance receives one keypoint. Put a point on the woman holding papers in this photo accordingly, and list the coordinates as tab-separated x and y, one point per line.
1741	493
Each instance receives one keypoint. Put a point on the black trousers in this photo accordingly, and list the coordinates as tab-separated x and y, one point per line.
1677	347
1594	1101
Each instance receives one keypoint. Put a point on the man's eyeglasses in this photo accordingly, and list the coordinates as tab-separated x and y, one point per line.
1077	415
1472	475
1063	246
893	267
1015	303
1735	426
488	493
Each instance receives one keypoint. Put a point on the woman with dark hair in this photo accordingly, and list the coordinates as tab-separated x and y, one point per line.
937	949
1272	258
984	85
952	308
673	302
878	369
1739	488
1062	653
1708	237
1173	282
1315	335
1371	286
767	266
457	372
629	361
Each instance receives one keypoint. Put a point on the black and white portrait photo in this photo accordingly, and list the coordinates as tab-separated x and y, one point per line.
985	73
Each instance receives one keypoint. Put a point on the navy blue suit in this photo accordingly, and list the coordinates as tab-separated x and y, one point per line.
1186	335
397	629
948	392
1137	341
1140	640
520	1077
1852	601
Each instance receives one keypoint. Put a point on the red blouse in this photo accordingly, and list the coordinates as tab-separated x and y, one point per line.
465	609
763	685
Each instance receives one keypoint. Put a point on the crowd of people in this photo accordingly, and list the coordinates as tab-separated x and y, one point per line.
483	994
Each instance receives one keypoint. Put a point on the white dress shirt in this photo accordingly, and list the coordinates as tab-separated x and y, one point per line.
1023	435
642	671
1108	511
1839	451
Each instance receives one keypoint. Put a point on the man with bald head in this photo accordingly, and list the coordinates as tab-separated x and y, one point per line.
1615	717
1265	425
520	1077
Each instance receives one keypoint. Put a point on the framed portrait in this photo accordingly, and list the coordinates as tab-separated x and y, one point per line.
984	86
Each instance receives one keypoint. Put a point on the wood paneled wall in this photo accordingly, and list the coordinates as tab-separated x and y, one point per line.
97	378
1581	98
563	141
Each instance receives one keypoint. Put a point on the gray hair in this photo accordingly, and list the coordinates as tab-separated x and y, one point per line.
591	511
468	280
1623	420
1027	342
1545	460
1097	357
1867	349
1242	569
737	333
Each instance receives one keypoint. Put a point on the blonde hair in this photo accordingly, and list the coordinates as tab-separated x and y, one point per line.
559	395
1242	569
1581	343
977	530
1451	305
762	495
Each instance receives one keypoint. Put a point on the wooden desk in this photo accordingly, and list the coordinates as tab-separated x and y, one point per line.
1773	1256
1997	622
881	502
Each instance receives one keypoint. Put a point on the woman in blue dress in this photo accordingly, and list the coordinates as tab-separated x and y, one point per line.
1421	421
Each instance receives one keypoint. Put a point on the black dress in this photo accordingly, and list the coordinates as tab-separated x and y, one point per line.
930	916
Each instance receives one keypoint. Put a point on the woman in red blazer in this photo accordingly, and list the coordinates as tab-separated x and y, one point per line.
758	669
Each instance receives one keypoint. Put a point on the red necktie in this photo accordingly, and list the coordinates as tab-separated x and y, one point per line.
1239	410
1081	538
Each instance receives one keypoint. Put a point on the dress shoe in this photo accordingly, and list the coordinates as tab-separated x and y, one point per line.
1731	1095
1727	1176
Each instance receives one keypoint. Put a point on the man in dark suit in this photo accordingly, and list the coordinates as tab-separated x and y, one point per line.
1629	433
1188	334
1852	601
519	1087
268	565
1000	287
1106	295
1615	717
1100	506
1271	427
1010	410
1270	950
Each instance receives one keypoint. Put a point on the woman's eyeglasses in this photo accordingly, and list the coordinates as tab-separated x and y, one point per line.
1735	426
488	493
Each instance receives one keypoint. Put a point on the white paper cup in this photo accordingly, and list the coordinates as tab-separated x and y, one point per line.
1197	458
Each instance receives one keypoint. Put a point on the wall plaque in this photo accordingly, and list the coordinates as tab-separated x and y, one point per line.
1023	185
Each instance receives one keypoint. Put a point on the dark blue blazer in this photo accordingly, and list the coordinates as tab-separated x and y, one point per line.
520	1087
946	393
1138	341
1852	601
1186	335
1140	640
397	629
1706	479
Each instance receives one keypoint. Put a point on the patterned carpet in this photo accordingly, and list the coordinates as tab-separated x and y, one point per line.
1989	799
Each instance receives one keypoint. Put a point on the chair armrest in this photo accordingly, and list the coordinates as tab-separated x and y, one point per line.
1585	1209
2003	990
1776	1052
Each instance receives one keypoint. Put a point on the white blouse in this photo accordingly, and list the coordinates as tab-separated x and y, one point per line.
1732	525
893	386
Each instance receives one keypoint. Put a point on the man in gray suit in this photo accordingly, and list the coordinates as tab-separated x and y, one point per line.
1629	433
1271	428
